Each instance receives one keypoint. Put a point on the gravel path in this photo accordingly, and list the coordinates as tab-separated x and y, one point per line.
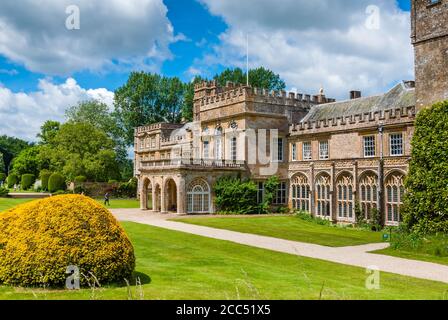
355	256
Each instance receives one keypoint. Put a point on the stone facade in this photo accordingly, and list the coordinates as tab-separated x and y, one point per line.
331	157
430	40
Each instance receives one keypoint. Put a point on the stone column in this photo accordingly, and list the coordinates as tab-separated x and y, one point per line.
143	198
163	198
181	196
154	200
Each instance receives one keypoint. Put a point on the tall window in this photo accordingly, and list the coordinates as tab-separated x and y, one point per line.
279	149
369	146
294	152
206	149
280	197
233	149
394	198
301	193
153	142
396	144
218	144
307	155
260	192
323	198
368	187
345	199
323	150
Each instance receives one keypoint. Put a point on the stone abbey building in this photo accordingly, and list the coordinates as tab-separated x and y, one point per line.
328	155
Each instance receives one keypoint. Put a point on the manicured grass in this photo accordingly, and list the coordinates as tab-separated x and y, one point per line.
289	228
121	203
413	255
7	203
175	265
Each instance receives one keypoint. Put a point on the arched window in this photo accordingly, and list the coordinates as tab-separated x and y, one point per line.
198	197
301	193
323	197
345	198
368	193
394	198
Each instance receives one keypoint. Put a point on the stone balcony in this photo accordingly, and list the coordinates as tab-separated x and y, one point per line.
197	164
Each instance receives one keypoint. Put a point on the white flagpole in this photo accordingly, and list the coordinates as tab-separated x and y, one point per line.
247	60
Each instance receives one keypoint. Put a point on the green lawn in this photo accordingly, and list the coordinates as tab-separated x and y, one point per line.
289	228
413	255
175	265
6	203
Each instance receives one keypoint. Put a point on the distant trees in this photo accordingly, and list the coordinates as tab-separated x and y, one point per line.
259	78
10	147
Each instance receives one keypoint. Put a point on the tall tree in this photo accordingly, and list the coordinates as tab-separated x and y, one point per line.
9	148
48	131
147	98
259	78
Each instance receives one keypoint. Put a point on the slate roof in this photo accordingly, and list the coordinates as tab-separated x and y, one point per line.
402	95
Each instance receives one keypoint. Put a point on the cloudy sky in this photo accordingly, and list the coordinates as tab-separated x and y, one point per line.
338	44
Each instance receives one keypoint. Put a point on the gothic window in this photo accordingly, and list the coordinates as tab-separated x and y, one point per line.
198	197
394	197
396	144
323	197
279	149
301	193
345	197
307	155
323	150
369	146
368	194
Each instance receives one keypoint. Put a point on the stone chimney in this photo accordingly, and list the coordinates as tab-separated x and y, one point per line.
355	94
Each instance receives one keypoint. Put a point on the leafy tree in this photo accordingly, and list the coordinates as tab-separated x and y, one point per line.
259	78
48	131
9	148
147	98
27	181
44	177
426	202
187	106
31	160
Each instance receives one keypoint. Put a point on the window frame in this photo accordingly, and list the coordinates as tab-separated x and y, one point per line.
391	135
321	157
306	158
364	146
294	151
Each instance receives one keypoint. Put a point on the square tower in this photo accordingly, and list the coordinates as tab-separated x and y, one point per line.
430	40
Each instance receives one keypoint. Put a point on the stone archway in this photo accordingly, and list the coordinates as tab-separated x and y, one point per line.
146	202
171	196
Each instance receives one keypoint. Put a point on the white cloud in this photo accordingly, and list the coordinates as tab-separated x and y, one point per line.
113	34
22	114
314	43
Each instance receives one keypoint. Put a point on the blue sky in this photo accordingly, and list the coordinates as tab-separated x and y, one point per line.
45	68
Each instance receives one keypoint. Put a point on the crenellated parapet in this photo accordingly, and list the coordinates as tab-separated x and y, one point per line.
399	115
208	95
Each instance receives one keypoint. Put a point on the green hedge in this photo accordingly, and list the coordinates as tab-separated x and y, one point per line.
56	183
12	180
2	177
44	177
425	209
27	181
3	192
236	196
80	179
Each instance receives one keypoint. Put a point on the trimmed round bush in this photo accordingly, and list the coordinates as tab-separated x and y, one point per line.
12	180
56	182
41	239
27	181
2	177
44	177
80	179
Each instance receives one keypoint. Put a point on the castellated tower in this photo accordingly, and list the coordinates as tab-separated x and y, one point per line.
430	40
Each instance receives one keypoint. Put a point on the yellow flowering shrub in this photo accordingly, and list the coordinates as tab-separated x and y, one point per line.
40	239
